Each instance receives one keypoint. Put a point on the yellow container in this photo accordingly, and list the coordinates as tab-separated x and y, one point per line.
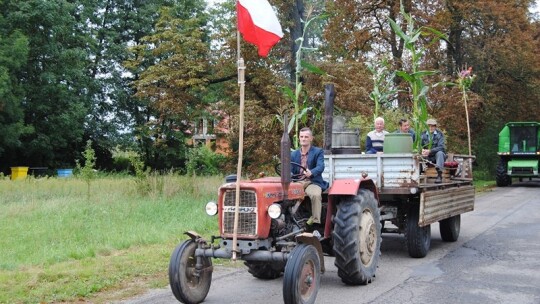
18	173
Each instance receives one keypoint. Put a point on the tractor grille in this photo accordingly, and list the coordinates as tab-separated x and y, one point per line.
247	216
522	170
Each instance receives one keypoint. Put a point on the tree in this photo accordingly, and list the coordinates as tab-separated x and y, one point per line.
13	56
172	71
111	26
53	80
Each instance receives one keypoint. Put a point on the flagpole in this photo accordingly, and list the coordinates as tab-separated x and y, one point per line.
241	82
264	38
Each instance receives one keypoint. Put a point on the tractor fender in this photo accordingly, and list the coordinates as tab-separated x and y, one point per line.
193	235
352	186
310	239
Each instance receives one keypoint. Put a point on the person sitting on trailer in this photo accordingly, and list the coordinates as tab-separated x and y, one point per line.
375	138
405	127
434	147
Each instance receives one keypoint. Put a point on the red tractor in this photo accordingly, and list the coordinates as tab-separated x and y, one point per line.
265	226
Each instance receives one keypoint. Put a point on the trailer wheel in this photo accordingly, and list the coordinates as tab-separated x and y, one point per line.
188	284
265	271
302	276
449	228
357	238
418	238
502	178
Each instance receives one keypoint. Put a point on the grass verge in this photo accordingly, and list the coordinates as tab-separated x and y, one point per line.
59	245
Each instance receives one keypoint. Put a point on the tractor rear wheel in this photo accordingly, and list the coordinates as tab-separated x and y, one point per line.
502	178
418	238
302	277
265	270
189	284
357	238
449	228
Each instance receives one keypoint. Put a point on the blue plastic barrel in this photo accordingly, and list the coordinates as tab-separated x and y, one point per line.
64	173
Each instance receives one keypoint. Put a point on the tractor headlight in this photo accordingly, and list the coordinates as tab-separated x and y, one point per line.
211	208
274	211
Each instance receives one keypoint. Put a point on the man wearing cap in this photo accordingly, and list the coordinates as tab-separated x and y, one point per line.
434	147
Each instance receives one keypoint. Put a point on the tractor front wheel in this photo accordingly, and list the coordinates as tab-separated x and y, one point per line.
189	282
357	238
302	277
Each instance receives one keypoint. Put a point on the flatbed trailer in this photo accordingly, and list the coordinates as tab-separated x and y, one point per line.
408	198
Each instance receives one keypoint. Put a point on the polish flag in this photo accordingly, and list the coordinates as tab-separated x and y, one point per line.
258	24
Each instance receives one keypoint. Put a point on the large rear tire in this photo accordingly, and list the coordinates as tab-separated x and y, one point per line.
302	276
449	228
418	238
357	238
265	270
188	284
502	178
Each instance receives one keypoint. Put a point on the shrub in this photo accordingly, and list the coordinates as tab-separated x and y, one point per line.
202	161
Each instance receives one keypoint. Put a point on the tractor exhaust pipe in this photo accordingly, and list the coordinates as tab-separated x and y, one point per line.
330	95
285	158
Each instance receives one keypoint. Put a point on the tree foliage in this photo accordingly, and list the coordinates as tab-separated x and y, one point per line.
137	74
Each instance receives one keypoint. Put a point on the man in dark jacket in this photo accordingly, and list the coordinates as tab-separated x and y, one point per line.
434	147
311	158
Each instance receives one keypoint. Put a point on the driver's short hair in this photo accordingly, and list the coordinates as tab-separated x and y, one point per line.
306	129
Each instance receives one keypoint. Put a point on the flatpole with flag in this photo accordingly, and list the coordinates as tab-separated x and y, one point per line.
259	25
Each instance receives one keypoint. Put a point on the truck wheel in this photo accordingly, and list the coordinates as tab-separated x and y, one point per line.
449	228
188	284
265	271
418	238
357	238
302	276
502	178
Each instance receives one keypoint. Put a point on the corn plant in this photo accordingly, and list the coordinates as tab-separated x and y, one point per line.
383	87
298	97
415	77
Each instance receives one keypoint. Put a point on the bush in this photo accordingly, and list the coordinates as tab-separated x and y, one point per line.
122	160
203	161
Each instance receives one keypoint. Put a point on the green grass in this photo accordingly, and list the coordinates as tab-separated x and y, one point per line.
58	244
484	185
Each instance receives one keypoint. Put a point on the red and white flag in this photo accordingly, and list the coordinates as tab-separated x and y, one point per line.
258	24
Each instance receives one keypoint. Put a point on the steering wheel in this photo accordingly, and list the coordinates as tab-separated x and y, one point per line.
294	177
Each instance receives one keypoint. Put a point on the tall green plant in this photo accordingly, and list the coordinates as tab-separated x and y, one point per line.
141	175
87	172
299	97
383	88
415	76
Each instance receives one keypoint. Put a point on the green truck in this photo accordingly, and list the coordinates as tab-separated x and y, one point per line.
519	152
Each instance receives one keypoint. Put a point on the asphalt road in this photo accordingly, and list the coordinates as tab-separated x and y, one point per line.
495	260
